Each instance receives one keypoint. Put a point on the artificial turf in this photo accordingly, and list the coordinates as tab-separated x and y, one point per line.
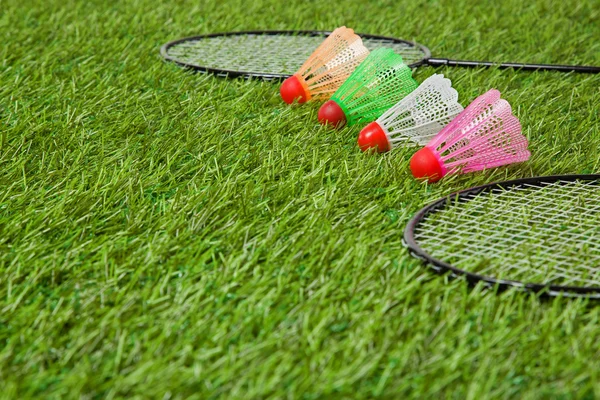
165	234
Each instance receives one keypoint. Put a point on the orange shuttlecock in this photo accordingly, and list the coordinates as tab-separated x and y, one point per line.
327	67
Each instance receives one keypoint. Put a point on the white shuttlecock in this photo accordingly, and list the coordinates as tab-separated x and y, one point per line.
415	119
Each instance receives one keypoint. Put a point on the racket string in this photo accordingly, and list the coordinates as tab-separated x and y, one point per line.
544	233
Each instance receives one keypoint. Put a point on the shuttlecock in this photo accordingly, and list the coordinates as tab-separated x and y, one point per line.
485	135
376	85
415	119
327	67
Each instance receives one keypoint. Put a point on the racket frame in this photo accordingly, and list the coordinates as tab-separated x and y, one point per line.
164	51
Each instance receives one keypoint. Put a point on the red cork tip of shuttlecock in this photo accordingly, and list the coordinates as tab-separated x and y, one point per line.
425	165
332	114
373	137
292	89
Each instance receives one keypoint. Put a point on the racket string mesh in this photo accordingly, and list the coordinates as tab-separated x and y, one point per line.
423	113
375	86
485	135
547	234
267	54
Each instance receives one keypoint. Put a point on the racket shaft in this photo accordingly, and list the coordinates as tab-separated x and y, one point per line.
436	62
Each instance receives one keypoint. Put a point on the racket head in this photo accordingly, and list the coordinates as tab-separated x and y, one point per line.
586	184
269	54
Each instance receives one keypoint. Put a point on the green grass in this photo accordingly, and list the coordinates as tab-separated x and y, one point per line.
165	234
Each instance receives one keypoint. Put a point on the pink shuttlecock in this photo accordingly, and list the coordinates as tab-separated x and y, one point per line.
485	135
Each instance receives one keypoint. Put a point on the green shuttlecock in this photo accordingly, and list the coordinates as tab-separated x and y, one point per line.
376	84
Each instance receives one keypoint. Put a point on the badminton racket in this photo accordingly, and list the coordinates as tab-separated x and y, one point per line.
539	234
278	54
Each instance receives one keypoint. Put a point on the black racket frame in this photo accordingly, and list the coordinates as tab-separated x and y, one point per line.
164	51
443	267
